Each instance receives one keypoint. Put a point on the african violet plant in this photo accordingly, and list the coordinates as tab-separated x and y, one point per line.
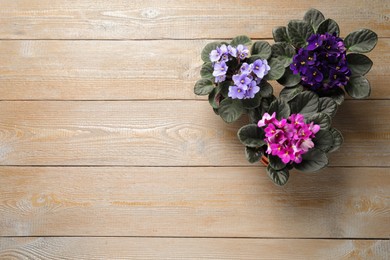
318	59
314	65
234	78
294	134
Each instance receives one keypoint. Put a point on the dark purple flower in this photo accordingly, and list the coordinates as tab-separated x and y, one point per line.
322	63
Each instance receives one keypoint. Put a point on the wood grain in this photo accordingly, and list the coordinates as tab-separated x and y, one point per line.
190	248
180	19
162	133
193	201
117	70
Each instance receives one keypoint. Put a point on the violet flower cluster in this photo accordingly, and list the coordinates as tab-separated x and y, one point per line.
322	64
224	54
288	138
246	78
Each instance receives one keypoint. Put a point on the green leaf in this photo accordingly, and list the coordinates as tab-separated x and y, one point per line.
280	34
242	39
305	103
298	31
321	119
278	177
251	103
251	135
266	90
330	26
276	71
323	140
288	94
206	71
213	102
253	154
289	79
327	105
312	161
230	109
203	87
261	49
223	88
359	64
283	52
337	139
358	87
281	109
207	49
361	41
276	163
338	96
314	18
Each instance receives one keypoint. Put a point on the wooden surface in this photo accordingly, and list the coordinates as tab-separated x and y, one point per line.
106	153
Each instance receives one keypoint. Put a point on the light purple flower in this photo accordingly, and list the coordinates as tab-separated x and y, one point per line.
220	78
261	68
220	68
242	51
241	81
232	51
252	89
246	68
236	92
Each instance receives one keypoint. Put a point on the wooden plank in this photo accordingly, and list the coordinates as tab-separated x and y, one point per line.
190	248
180	19
162	133
117	70
193	201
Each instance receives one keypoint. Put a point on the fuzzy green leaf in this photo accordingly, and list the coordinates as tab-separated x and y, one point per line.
266	90
314	18
276	71
207	49
358	87
327	105
203	87
242	39
261	49
321	119
284	52
230	109
338	95
289	79
312	161
359	64
206	71
213	102
251	135
298	31
330	26
323	140
361	41
337	139
305	103
280	107
280	34
288	94
276	163
278	177
253	154
251	103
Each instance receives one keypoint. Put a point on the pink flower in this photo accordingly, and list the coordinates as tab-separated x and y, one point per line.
266	119
288	138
